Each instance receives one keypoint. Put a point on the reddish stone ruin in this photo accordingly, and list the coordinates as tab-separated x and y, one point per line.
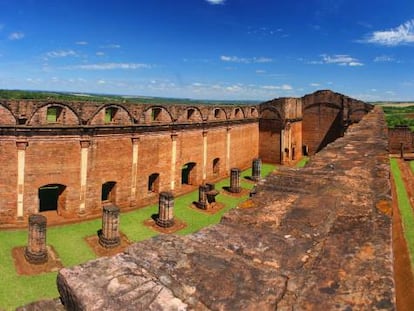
165	217
73	158
36	250
401	140
109	236
314	239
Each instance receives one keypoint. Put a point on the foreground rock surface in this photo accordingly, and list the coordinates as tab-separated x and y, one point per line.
314	240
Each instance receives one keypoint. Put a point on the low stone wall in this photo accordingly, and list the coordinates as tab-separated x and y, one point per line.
317	238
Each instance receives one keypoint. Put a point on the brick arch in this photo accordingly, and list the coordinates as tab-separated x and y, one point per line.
6	116
326	104
123	115
270	113
197	115
237	113
254	113
323	123
39	115
220	115
157	114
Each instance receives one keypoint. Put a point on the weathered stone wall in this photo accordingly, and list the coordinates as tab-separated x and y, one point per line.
318	238
326	116
400	136
81	148
85	147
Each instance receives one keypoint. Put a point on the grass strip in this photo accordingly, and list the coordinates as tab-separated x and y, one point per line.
405	208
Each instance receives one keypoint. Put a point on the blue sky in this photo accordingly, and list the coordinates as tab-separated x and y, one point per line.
210	49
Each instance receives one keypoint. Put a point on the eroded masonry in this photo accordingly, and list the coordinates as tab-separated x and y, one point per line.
316	238
76	157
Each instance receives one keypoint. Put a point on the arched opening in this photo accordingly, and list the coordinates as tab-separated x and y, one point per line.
52	197
216	167
110	113
238	113
188	174
108	192
154	183
53	114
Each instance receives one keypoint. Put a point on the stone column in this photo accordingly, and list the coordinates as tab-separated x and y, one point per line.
202	196
85	143
235	180
173	158
36	251
135	146
165	217
21	155
204	155
109	236
256	169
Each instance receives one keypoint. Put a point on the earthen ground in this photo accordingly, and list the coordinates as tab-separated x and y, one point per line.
218	206
403	275
23	267
178	225
99	250
242	193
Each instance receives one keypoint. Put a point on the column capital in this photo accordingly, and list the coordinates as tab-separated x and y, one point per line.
21	144
205	132
228	128
135	140
174	136
85	143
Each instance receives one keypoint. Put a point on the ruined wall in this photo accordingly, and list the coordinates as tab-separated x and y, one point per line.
96	154
280	130
326	115
317	238
126	153
400	136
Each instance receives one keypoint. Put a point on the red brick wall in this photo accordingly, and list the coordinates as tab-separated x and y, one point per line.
51	161
8	181
398	136
269	140
321	125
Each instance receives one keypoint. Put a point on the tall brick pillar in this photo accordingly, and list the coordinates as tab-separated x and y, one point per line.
204	155
21	155
256	169
134	173
173	158
84	143
109	236
235	180
165	217
36	251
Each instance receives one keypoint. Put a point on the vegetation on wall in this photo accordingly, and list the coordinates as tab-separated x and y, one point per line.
396	116
67	96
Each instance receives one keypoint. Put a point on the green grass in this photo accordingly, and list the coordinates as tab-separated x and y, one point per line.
407	215
69	243
302	162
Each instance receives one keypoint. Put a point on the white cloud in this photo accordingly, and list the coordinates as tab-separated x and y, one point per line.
402	34
339	59
243	60
81	43
284	87
101	82
16	35
100	53
215	2
61	53
111	46
315	84
110	66
260	71
383	59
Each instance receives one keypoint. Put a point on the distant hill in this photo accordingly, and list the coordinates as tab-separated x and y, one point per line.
68	96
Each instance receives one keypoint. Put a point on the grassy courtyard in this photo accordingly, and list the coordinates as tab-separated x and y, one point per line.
69	242
406	211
